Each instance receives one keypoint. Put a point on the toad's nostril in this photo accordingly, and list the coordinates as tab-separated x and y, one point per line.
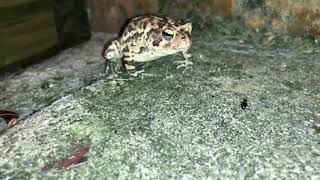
183	37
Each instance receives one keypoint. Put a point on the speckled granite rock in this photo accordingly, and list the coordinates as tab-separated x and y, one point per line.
180	124
37	86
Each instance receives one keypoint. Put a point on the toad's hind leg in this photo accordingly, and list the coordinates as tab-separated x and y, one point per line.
186	62
131	66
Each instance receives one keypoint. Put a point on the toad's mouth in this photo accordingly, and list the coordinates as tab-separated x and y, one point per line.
171	49
175	48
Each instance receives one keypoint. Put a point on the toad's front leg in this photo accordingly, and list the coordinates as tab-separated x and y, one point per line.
112	56
113	66
186	62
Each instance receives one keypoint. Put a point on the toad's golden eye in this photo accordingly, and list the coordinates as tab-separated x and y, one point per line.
167	34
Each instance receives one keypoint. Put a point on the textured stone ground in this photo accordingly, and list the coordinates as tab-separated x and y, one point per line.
168	123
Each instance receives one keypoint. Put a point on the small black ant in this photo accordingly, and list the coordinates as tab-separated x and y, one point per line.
244	103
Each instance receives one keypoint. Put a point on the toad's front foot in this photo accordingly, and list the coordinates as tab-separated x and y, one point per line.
112	67
135	73
184	63
131	69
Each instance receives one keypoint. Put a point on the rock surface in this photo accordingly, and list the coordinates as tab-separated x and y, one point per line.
168	123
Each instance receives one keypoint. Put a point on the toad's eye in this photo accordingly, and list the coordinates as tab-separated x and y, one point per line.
167	34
